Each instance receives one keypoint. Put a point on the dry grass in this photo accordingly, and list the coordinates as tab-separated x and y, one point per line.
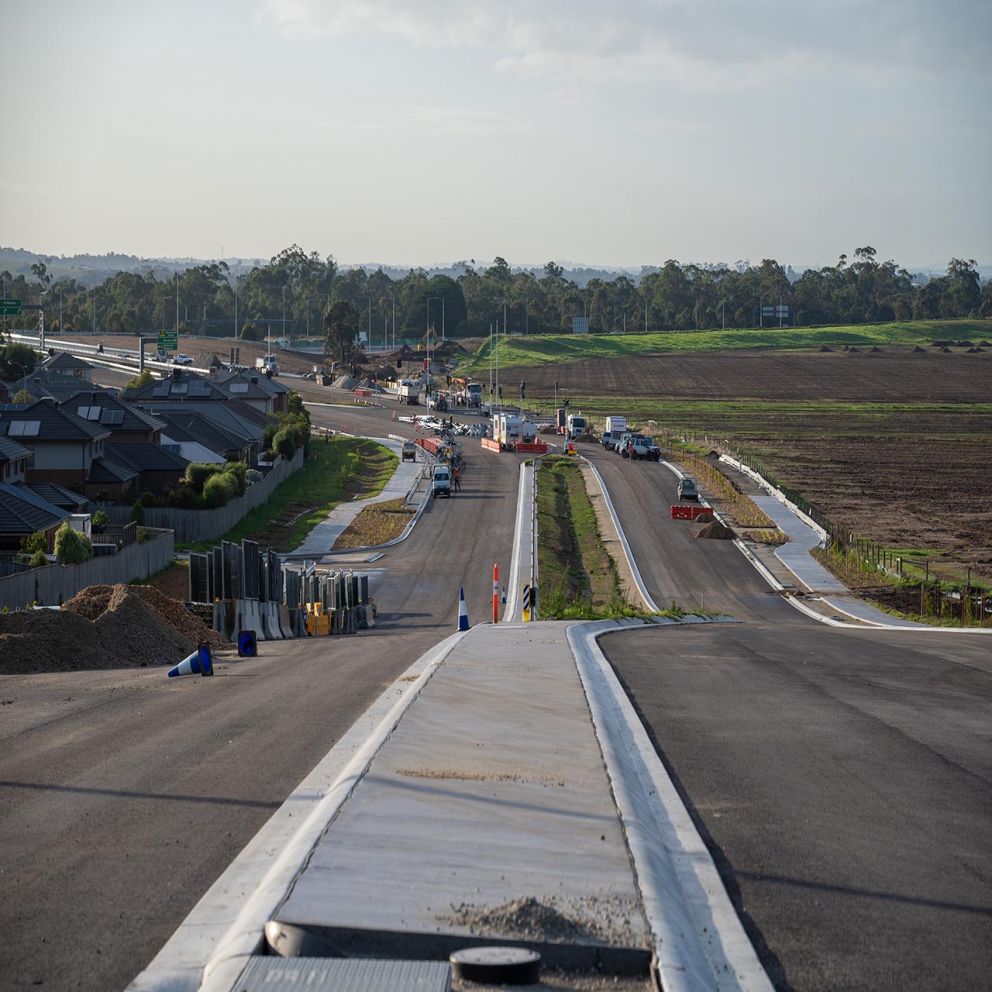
736	505
376	524
765	536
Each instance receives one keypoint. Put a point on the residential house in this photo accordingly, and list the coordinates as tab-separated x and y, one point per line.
43	384
23	513
268	396
68	365
63	445
126	422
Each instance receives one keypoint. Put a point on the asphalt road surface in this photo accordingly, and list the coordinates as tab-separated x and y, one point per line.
841	778
123	795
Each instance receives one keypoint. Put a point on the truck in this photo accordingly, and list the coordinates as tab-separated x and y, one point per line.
560	420
507	429
407	391
473	394
268	364
615	425
575	426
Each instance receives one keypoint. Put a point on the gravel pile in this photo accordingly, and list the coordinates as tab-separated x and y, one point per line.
125	632
582	921
344	382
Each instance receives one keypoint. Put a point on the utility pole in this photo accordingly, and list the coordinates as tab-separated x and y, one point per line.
177	301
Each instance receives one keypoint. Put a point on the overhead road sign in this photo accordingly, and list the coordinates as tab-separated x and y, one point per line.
168	340
10	308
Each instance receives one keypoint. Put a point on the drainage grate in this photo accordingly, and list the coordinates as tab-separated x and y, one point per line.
272	974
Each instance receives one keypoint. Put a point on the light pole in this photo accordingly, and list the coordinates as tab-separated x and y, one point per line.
308	319
393	299
283	317
94	311
177	306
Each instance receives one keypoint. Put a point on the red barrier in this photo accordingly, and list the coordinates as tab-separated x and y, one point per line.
431	444
490	445
534	447
682	511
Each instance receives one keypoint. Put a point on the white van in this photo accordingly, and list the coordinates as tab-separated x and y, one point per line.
441	481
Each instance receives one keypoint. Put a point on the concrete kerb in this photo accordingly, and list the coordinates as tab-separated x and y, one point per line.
511	612
699	942
628	554
211	946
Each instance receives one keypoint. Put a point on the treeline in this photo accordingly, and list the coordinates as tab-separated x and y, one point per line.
292	294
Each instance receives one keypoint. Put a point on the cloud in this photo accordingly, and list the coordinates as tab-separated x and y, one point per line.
697	43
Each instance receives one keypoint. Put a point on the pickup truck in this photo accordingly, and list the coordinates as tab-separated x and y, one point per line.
182	359
607	440
687	489
641	446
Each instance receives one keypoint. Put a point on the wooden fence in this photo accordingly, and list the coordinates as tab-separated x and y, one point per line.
54	584
208	525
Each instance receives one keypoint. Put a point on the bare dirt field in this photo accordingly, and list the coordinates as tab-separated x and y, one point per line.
893	445
890	375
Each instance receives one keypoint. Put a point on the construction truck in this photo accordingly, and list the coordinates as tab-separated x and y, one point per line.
575	426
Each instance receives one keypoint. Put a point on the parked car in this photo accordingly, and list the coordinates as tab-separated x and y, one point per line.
643	446
182	359
687	489
409	453
620	447
607	440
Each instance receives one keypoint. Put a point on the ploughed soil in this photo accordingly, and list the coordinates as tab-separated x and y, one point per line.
904	475
896	374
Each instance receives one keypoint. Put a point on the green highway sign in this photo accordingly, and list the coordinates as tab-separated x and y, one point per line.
10	308
168	340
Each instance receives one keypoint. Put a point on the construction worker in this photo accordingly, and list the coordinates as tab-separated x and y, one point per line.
456	474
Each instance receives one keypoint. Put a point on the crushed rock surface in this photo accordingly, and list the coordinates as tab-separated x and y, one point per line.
100	627
553	920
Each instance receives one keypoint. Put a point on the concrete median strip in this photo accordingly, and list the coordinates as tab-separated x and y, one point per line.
699	941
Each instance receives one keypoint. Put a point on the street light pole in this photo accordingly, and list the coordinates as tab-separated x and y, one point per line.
177	301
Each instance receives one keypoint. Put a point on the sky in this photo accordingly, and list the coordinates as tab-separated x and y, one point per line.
422	132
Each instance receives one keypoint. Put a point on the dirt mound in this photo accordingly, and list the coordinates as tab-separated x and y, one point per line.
705	518
918	348
984	344
126	632
945	350
854	348
93	601
825	347
965	344
344	382
941	344
716	531
875	347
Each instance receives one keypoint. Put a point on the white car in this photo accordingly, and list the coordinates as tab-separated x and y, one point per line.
182	359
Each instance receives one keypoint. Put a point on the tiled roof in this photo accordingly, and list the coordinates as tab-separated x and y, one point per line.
24	512
231	416
111	412
105	470
42	383
58	496
258	385
189	425
11	450
64	362
55	423
144	456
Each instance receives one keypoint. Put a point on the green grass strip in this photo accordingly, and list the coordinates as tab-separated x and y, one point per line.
336	469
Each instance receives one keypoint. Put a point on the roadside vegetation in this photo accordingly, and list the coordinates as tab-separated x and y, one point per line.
336	469
578	579
376	524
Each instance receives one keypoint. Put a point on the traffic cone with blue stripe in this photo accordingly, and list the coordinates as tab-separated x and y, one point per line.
199	662
462	611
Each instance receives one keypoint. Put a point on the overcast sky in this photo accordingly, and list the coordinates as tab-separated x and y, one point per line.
425	131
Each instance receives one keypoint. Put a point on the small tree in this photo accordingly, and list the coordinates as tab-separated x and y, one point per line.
140	380
71	547
100	521
22	396
36	542
219	489
283	444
